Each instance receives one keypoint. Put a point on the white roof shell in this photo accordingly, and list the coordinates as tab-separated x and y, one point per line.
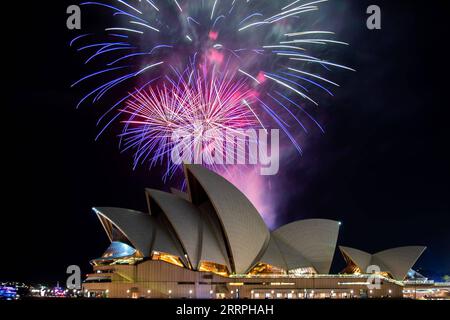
215	222
313	239
396	261
246	234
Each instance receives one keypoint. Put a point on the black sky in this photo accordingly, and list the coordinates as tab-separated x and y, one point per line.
382	168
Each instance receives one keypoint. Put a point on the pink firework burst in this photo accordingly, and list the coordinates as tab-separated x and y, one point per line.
204	109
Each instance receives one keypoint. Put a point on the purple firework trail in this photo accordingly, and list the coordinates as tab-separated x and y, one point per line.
259	53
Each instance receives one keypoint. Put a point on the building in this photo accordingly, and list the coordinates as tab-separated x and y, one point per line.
211	242
416	286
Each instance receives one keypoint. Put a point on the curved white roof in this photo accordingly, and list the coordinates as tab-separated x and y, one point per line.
215	222
283	255
396	261
136	226
360	258
144	232
245	231
184	218
213	243
314	239
293	257
273	255
180	194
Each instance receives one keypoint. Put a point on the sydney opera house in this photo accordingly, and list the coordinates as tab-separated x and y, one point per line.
211	242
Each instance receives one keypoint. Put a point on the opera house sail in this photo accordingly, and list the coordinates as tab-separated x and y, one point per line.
211	242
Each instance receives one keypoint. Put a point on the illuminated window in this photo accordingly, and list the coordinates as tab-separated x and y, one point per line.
216	268
118	253
303	271
161	256
263	268
118	250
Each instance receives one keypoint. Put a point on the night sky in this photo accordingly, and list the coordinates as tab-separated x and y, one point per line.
382	167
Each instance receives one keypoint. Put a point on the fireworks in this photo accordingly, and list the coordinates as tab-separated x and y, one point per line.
188	106
226	64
